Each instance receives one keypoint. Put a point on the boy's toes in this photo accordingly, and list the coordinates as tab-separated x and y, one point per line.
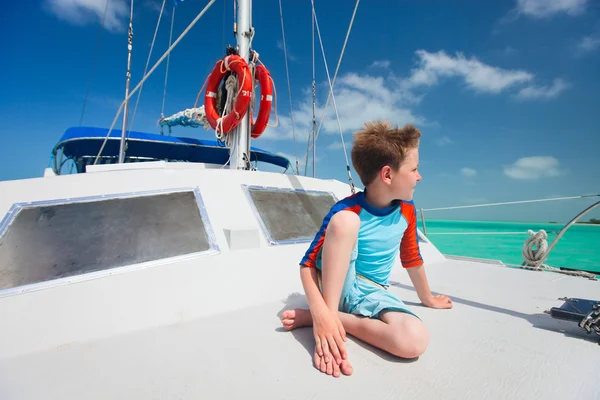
336	369
288	318
317	361
330	367
323	365
346	367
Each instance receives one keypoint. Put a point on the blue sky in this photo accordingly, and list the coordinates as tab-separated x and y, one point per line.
506	93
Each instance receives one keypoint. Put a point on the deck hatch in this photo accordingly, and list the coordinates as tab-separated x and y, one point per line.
289	215
48	240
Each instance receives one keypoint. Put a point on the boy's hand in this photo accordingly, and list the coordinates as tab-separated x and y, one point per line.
438	301
330	335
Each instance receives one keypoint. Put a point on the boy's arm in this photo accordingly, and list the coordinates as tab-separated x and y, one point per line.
419	279
328	330
308	276
412	261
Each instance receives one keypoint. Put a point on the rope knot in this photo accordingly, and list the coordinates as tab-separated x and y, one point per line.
535	257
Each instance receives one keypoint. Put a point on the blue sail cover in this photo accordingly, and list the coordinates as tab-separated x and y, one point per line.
82	144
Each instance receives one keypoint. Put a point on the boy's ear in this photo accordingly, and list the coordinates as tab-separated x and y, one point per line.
386	174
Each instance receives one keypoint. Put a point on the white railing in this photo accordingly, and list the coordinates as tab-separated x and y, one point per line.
533	259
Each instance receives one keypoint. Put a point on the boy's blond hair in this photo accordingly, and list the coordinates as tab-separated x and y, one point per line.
379	144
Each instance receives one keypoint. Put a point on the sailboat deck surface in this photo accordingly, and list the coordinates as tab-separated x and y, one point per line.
495	343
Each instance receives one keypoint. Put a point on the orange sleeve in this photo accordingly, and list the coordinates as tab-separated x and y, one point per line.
410	254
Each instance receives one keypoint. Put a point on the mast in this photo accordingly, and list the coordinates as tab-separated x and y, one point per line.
240	148
128	76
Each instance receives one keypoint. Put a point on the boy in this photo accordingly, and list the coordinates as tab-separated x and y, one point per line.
346	268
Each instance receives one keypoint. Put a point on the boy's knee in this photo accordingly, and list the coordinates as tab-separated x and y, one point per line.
411	339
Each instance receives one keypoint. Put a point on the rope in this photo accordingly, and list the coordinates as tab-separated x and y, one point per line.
230	87
533	259
137	101
87	91
287	73
336	70
160	60
333	98
193	117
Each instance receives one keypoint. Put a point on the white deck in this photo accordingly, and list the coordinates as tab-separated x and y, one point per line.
208	327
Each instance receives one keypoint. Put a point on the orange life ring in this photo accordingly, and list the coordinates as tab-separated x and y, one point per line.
266	99
229	121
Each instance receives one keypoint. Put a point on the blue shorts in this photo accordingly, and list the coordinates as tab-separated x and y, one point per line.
363	297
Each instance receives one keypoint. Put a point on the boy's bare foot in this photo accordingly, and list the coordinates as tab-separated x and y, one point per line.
331	367
297	318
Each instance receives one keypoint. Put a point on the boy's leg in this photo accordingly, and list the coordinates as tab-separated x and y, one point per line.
399	333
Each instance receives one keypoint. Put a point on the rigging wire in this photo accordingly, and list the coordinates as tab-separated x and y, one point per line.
336	70
147	64
512	202
162	111
314	101
352	188
160	60
123	142
287	72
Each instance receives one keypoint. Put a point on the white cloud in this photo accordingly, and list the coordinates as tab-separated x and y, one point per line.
381	64
368	97
589	43
291	56
535	167
468	172
337	145
443	141
154	5
543	92
476	74
547	8
83	12
359	98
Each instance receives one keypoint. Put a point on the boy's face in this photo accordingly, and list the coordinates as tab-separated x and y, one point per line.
405	179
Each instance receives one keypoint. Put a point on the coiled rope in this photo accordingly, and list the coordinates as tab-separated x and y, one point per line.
535	257
535	251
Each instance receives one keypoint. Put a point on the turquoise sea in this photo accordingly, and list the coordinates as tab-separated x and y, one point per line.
579	247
